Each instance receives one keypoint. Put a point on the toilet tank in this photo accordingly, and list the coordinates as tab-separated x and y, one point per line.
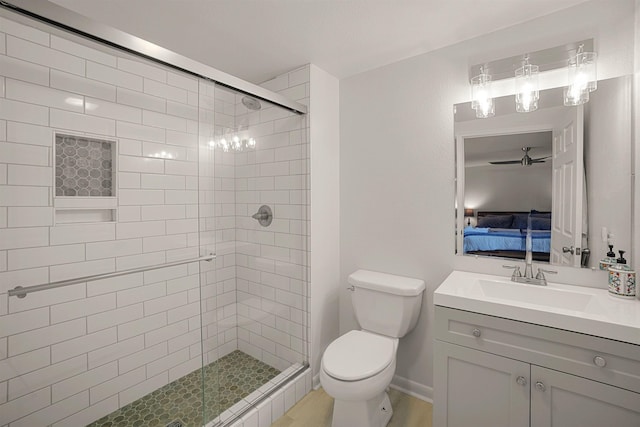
384	303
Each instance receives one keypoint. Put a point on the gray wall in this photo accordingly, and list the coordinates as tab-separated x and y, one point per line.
513	188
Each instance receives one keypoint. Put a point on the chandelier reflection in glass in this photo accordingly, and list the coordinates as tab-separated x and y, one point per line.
233	140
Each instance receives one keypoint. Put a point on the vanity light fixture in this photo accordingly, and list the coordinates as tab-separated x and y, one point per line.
482	102
582	77
532	72
527	87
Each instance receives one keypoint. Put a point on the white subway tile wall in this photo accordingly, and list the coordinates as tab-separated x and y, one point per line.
72	355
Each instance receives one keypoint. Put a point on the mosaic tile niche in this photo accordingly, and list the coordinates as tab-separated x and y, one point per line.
84	166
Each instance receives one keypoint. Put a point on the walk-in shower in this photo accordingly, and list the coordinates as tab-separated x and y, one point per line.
135	287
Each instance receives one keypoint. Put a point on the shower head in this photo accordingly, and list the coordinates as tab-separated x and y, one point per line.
251	103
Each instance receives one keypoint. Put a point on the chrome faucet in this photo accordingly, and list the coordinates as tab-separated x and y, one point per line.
517	276
528	278
528	260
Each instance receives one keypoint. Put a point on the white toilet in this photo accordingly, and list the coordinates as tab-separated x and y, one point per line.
358	366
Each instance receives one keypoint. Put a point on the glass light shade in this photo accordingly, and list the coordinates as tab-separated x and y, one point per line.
481	99
587	62
582	78
527	88
575	94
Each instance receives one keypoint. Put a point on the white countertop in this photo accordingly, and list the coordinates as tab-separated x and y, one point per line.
574	308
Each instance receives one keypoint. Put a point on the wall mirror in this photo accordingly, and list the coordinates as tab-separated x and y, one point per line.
567	170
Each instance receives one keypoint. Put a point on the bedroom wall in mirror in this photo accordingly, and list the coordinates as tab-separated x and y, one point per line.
564	172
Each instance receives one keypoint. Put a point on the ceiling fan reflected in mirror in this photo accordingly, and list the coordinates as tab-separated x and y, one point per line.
526	160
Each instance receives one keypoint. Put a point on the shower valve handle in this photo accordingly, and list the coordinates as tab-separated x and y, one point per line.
264	216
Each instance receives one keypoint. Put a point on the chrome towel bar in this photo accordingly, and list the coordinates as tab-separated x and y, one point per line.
22	292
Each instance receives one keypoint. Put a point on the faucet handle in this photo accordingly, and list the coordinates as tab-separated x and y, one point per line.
542	271
516	270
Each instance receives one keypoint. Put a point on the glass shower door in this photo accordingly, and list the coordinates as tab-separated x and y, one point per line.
254	303
116	338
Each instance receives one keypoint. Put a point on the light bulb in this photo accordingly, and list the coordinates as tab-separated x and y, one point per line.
481	99
527	92
582	78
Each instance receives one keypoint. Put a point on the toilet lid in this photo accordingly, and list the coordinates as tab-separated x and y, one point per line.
357	355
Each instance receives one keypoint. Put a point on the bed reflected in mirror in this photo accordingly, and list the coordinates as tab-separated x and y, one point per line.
504	234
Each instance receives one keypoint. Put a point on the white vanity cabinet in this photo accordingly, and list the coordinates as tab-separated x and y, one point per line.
559	399
496	372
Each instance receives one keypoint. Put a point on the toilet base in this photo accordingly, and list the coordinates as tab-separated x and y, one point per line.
375	412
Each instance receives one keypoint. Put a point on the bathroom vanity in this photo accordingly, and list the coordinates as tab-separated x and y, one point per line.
509	354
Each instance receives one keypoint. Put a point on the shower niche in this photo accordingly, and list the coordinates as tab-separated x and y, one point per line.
85	179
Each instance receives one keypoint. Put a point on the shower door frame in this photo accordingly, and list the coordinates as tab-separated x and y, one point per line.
73	22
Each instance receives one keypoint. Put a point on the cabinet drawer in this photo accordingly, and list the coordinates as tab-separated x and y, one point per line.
600	359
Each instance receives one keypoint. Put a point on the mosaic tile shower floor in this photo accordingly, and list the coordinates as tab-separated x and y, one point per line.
227	381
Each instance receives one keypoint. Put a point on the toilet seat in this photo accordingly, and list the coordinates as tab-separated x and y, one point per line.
358	355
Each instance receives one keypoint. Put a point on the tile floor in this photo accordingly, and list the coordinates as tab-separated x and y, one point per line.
227	381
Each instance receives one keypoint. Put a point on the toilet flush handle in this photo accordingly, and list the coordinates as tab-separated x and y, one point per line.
351	288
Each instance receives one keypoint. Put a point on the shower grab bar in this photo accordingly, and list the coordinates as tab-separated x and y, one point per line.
21	292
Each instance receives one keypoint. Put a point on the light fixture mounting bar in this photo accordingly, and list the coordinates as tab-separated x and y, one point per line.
547	59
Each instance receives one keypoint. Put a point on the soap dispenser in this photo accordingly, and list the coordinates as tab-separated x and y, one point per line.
609	260
621	260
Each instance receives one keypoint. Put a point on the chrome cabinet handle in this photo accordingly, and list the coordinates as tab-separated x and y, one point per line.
476	332
599	361
540	386
570	249
521	380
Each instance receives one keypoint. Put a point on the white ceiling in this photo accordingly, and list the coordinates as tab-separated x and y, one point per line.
482	150
260	39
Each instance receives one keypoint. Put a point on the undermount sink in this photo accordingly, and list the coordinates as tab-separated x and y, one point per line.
533	294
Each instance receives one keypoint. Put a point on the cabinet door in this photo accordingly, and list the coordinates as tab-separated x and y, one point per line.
474	388
563	400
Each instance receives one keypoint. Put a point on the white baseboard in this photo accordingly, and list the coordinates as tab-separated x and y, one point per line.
412	388
316	382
